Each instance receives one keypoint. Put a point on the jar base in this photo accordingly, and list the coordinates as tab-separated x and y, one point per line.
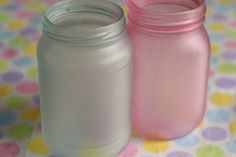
104	151
165	136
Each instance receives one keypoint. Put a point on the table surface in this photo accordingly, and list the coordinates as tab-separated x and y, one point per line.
20	29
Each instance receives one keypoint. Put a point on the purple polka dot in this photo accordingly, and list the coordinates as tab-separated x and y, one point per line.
36	100
12	7
12	77
1	26
28	31
179	154
39	126
234	109
1	44
219	17
214	133
225	83
229	55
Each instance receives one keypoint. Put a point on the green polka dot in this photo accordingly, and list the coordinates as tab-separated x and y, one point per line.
16	102
234	14
210	151
231	34
4	17
227	68
3	65
19	42
20	131
41	11
33	73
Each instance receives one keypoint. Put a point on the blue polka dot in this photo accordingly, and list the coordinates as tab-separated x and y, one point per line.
188	141
7	34
231	146
36	21
23	62
6	118
216	37
222	8
214	60
179	154
209	89
218	115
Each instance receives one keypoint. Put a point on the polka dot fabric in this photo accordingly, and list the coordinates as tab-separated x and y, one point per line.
20	129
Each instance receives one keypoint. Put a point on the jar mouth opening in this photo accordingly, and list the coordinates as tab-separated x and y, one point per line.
178	7
83	20
167	15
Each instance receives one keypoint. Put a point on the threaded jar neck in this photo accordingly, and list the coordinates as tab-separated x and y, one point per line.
84	21
166	16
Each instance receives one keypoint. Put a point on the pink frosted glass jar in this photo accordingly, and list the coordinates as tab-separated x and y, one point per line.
171	59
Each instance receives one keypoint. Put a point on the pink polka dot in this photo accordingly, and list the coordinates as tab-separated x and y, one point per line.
36	37
130	151
25	14
9	150
233	24
231	44
9	54
27	87
211	73
52	1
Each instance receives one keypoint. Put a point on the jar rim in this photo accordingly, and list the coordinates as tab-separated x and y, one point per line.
82	35
159	21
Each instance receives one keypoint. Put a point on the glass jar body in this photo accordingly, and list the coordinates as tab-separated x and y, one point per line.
169	81
85	96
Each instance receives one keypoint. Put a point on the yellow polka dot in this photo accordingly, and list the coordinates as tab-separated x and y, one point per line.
31	49
34	5
232	127
217	27
202	124
92	153
215	48
156	146
37	145
31	114
226	2
209	10
125	10
5	90
222	99
134	135
17	25
3	2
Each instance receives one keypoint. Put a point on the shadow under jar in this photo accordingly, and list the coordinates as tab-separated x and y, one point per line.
171	59
84	60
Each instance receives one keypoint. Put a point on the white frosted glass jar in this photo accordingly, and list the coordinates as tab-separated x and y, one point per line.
84	60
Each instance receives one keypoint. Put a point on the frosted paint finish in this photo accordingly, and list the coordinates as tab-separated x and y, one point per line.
85	84
171	55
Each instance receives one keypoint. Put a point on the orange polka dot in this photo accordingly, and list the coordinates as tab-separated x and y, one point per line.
5	90
31	114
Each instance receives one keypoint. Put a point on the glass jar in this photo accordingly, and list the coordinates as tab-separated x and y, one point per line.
84	59
171	59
